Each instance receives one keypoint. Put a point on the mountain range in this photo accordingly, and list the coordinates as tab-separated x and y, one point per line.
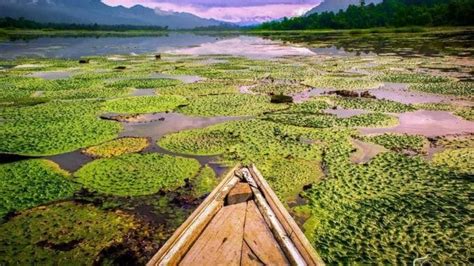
94	11
336	5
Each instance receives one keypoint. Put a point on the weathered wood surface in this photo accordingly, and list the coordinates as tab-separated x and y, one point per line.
221	242
290	226
179	243
248	257
240	193
260	239
281	235
242	233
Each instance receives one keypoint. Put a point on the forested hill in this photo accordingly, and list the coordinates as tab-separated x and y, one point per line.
389	13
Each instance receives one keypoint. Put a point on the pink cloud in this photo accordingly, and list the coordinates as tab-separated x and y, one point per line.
227	13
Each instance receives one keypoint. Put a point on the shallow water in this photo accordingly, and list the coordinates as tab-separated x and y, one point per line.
143	92
152	126
253	47
365	151
64	47
52	75
183	78
427	123
178	43
399	92
306	95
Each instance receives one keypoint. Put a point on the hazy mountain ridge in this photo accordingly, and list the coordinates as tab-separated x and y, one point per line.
336	5
94	11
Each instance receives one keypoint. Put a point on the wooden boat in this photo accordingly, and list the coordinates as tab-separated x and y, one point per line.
241	222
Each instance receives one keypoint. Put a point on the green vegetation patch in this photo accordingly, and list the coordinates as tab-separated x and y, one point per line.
199	89
135	174
54	127
118	147
339	83
275	88
29	183
400	208
39	84
466	113
144	104
411	78
84	93
286	155
459	160
456	142
328	121
143	83
230	105
63	233
372	105
400	142
450	88
204	182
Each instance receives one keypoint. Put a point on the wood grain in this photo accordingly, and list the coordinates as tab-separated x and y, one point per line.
248	257
260	239
221	241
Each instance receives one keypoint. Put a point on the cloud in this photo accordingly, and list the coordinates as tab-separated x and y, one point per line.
224	3
229	10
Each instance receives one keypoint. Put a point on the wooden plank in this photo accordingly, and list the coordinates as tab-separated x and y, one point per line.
290	226
221	242
179	243
248	257
292	252
240	193
260	239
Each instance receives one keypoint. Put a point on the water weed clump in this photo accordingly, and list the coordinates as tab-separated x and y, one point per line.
339	83
230	105
466	113
29	183
204	182
400	208
62	233
411	78
135	174
117	147
143	83
456	142
459	88
199	89
144	104
328	121
277	89
54	127
372	105
458	160
400	143
313	106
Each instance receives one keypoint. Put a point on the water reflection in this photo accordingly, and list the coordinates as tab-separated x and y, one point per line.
256	46
427	123
153	126
252	47
64	47
402	44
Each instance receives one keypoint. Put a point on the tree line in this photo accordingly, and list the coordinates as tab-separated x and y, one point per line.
22	23
389	13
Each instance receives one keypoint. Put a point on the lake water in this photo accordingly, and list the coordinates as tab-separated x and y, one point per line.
265	46
178	43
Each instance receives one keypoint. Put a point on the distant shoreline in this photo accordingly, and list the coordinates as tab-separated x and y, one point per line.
13	34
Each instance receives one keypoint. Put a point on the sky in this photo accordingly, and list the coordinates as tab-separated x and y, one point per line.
236	11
